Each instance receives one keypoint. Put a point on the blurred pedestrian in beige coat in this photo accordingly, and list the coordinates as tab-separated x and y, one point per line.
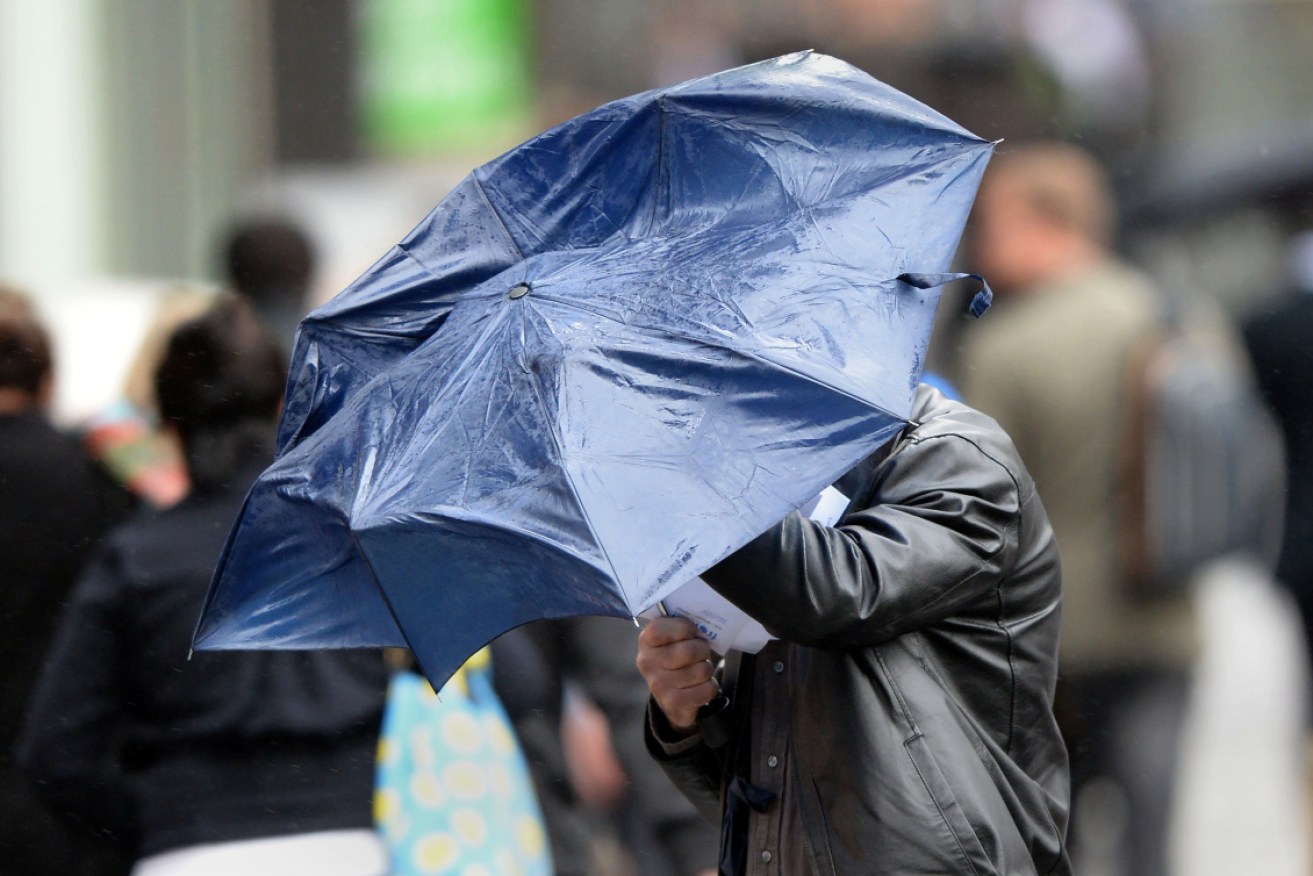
1050	364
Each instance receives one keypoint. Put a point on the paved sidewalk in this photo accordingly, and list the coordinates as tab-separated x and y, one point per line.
1243	799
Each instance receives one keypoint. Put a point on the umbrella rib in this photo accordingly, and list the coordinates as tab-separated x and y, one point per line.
709	342
909	170
492	522
551	429
967	143
803	375
660	160
378	585
497	213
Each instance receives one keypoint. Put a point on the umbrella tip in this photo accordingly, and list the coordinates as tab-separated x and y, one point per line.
519	290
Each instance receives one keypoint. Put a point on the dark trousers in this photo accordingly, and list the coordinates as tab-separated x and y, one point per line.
1123	730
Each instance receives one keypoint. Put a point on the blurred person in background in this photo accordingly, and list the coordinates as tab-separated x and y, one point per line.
271	261
548	674
249	762
126	436
55	504
1280	342
1050	364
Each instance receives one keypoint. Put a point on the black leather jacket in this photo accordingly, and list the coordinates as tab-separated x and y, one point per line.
904	722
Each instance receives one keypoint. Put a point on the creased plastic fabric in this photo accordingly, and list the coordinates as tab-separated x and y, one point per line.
713	330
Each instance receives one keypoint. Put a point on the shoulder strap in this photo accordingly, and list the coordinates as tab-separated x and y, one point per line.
1132	481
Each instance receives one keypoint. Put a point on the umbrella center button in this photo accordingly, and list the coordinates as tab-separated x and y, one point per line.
519	290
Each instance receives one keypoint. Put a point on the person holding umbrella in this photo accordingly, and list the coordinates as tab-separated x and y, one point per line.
903	720
615	355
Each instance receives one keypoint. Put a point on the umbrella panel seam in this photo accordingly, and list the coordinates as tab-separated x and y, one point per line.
501	220
709	342
569	481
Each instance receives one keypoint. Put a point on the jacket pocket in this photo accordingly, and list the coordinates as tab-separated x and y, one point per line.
978	859
959	834
815	829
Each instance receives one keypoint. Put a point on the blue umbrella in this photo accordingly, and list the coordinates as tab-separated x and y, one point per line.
606	360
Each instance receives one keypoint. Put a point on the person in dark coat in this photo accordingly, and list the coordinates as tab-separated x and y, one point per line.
531	667
243	762
903	721
55	504
271	260
1279	337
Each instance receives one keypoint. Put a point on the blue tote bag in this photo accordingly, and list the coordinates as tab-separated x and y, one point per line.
453	793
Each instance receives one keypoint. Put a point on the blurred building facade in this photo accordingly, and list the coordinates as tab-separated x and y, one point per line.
131	130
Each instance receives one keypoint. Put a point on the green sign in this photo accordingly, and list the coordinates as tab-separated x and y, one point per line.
444	75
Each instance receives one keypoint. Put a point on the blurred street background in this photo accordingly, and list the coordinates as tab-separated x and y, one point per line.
135	134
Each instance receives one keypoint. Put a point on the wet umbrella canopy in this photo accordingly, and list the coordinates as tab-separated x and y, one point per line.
606	360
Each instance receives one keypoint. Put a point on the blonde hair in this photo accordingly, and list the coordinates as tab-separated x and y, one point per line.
179	304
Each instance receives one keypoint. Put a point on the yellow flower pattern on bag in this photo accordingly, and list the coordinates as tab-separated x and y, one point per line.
453	793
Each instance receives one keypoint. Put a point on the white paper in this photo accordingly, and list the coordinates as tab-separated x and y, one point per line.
722	623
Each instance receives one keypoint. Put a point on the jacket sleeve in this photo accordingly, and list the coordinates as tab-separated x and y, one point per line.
939	533
690	765
68	746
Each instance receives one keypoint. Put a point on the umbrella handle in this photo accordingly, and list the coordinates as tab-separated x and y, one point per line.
979	303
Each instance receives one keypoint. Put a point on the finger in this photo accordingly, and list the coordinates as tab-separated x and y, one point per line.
694	693
667	630
684	653
681	705
672	657
690	676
